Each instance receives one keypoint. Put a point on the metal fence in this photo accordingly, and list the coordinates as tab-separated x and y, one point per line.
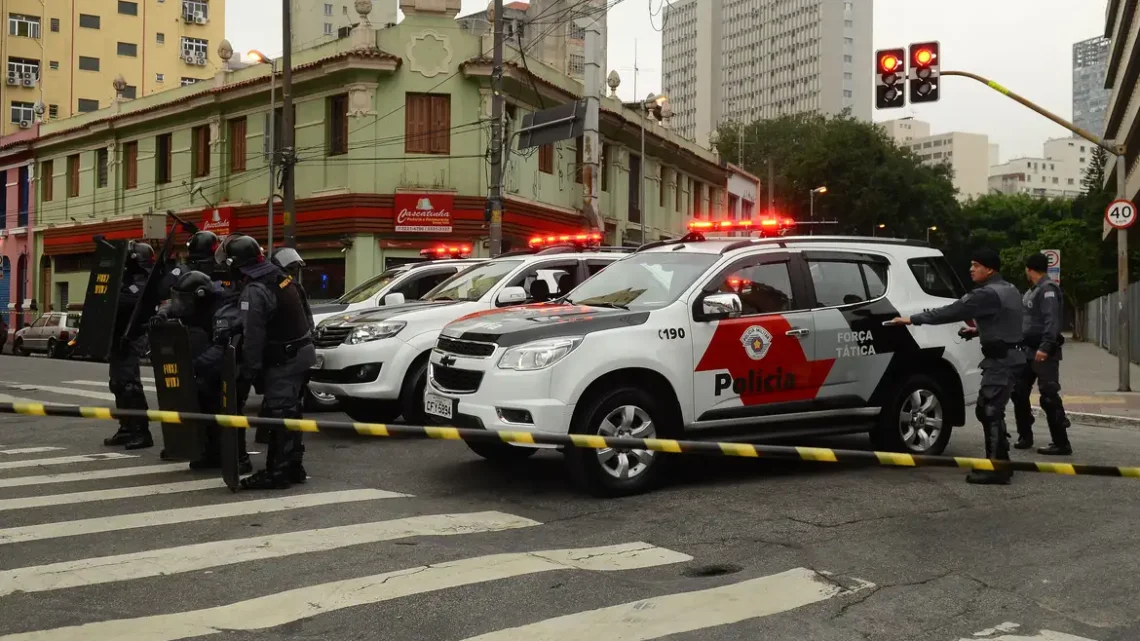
1099	323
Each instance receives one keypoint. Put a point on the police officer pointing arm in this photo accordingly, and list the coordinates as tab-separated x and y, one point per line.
996	307
1043	341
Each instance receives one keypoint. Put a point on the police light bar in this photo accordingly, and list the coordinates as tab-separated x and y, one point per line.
742	225
587	239
447	251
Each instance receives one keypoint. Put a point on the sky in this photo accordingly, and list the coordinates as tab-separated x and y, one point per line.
1025	45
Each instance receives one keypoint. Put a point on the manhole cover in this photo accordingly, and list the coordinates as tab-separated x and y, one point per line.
711	570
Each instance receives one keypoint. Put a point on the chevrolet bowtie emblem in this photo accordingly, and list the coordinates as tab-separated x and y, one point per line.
447	361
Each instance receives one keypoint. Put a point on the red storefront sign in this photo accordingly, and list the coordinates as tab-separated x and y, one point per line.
430	213
217	220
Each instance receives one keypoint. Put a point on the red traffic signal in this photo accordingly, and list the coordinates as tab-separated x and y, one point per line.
889	63
890	67
924	77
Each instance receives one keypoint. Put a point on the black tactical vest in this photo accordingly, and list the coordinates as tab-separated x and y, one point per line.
290	322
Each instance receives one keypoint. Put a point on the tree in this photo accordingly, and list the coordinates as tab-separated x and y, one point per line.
1093	180
870	181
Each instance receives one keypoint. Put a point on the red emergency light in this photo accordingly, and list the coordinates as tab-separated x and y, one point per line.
447	251
764	224
589	239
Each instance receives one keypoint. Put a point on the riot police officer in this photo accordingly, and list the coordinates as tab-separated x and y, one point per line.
201	249
195	300
123	362
996	307
1043	340
276	354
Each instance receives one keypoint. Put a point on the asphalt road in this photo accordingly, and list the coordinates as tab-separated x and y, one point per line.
400	540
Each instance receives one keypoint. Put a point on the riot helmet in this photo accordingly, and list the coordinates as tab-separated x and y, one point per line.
201	247
140	255
189	293
289	260
239	251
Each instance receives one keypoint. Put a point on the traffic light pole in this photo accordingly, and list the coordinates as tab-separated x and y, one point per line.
1124	346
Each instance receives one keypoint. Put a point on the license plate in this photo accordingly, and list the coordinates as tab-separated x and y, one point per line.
438	406
320	362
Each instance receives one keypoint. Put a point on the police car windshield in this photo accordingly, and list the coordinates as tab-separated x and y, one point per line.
646	280
471	284
368	288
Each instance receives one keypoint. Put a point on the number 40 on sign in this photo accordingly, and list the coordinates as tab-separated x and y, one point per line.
1120	214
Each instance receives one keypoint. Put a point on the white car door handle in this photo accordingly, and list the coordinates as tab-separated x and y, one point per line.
799	331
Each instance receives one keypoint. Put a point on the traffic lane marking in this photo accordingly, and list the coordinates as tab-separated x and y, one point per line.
110	495
64	460
93	475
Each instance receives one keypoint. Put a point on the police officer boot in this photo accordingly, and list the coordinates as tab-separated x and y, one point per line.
297	473
267	479
1058	424
121	437
1024	441
997	448
140	440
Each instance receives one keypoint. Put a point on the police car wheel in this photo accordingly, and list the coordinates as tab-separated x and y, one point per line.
626	412
412	395
315	402
915	421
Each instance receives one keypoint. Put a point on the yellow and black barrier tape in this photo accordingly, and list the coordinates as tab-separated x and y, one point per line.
781	452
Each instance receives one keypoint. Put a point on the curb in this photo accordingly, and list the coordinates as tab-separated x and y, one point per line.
1097	420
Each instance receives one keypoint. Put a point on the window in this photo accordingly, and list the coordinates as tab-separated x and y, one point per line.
55	25
54	65
578	153
328	29
427	124
3	199
87	63
848	23
328	9
159	78
338	125
936	277
644	281
678	194
200	145
128	49
577	65
101	167
73	176
546	159
23	67
131	164
195	48
847	75
23	195
88	21
848	58
546	281
1070	181
128	8
577	33
192	10
53	111
847	93
162	158
1082	160
85	105
131	92
763	289
23	112
160	38
47	169
606	151
23	26
237	145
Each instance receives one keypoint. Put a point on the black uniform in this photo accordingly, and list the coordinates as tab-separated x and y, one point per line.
1042	327
123	361
995	305
276	354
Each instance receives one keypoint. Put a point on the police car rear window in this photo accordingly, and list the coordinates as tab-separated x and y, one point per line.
936	278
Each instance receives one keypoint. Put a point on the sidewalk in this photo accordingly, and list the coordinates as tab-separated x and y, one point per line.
1089	382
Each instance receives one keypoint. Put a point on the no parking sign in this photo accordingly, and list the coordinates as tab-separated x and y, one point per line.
1054	258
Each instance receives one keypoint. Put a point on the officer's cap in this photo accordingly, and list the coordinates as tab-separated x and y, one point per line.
1037	262
987	257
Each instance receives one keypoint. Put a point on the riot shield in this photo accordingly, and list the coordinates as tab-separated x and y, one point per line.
177	391
97	332
230	437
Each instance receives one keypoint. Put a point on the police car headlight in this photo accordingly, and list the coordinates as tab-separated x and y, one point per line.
374	332
539	354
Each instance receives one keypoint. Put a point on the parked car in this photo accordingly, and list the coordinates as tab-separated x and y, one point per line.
49	334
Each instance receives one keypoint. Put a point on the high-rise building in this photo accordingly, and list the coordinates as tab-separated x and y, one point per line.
751	59
1122	23
64	56
969	156
1090	98
1056	175
547	30
315	22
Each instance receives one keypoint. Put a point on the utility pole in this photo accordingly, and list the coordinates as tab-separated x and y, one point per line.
591	137
271	154
288	158
771	187
497	135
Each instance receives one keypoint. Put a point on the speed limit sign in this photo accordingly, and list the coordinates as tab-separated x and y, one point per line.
1120	213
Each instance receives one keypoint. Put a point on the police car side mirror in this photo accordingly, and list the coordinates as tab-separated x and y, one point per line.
394	299
510	296
718	306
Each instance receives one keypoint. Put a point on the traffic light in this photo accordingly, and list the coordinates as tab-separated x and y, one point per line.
924	72
890	67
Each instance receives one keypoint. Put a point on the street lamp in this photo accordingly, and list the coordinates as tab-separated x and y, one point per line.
876	228
257	56
928	230
811	197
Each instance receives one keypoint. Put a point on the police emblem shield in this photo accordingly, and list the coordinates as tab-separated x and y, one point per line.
177	391
97	331
230	437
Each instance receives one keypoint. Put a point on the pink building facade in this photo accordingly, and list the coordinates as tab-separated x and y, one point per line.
17	208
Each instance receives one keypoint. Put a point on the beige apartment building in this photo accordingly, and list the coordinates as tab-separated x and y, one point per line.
725	60
63	55
1055	174
968	155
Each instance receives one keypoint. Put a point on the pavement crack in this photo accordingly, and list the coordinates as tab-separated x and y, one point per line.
868	519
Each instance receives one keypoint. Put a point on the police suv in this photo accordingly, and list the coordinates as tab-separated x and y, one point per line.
783	337
393	286
375	362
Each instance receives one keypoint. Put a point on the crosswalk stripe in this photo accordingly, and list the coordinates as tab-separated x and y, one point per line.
32	450
681	612
103	384
188	558
110	495
64	460
52	389
93	475
186	515
302	603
